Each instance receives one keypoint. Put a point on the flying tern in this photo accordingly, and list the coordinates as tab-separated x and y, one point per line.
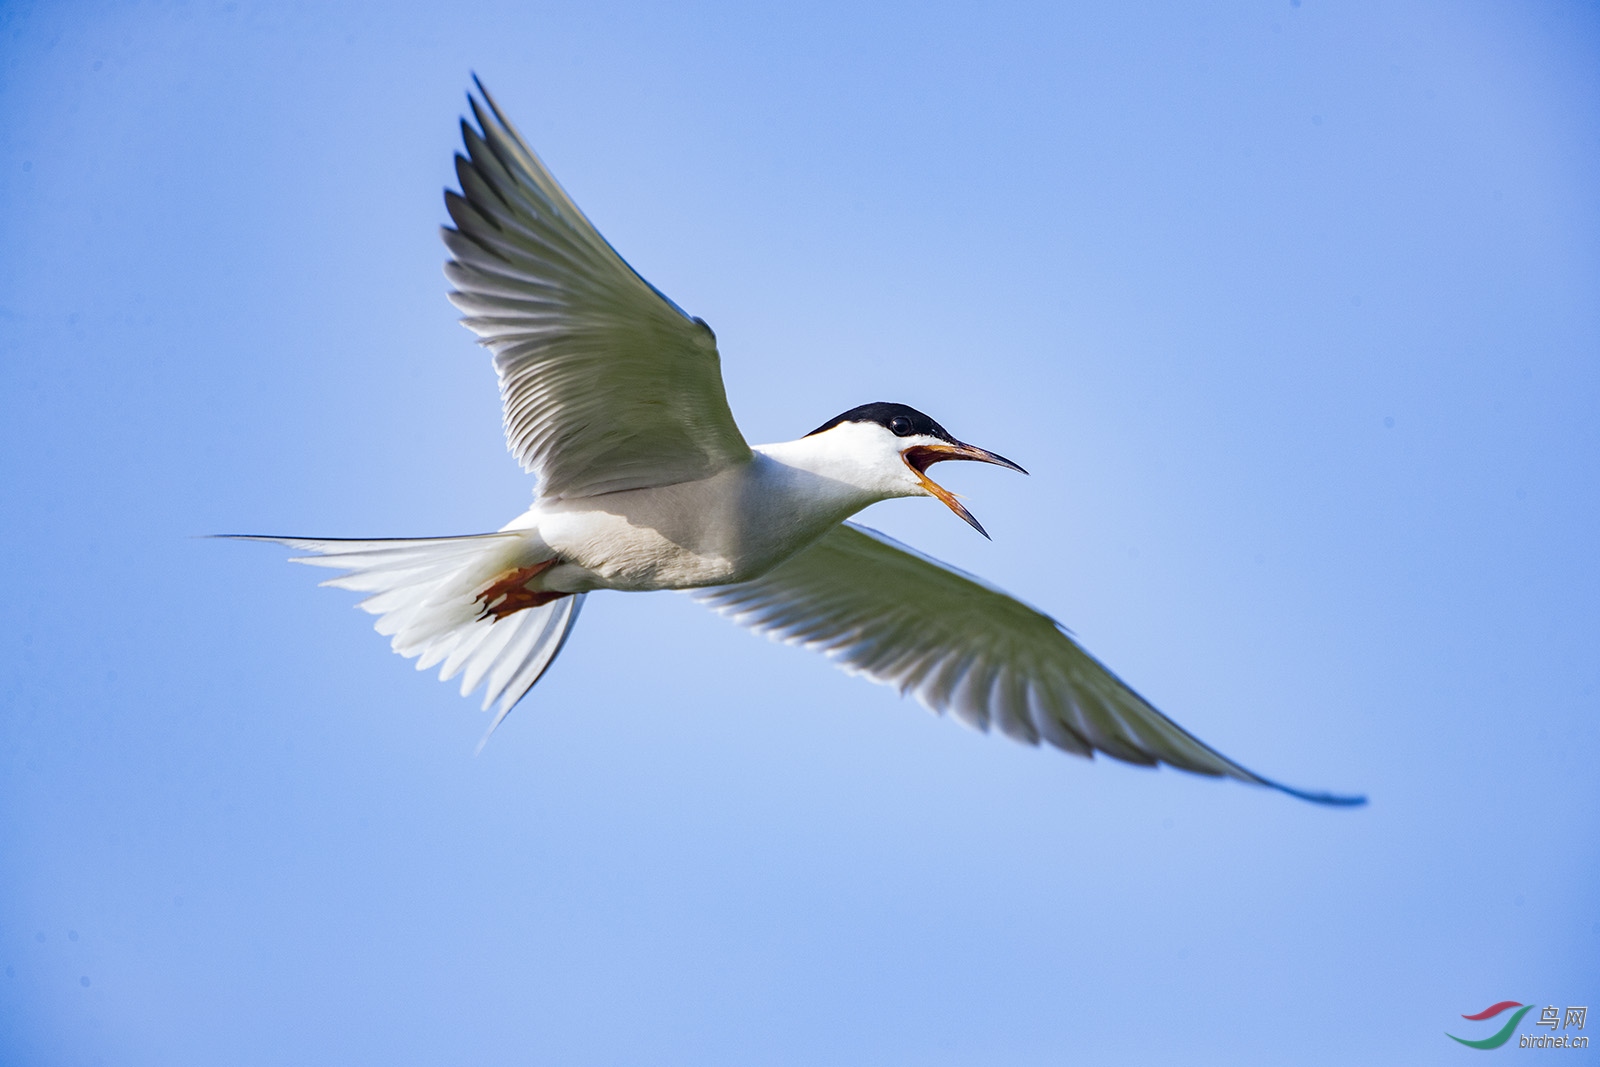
612	397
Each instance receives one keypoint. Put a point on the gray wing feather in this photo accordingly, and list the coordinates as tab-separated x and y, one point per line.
605	383
879	609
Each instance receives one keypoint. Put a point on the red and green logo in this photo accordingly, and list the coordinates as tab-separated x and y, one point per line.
1501	1036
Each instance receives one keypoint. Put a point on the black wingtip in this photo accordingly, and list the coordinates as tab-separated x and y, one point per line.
494	108
1331	800
477	108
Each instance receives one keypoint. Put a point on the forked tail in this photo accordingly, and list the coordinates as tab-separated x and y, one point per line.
458	601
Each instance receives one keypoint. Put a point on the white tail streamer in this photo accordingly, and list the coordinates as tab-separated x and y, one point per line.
425	592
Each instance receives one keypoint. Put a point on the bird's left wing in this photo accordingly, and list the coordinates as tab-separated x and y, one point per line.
879	609
605	383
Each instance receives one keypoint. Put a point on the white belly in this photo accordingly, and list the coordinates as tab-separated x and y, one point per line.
731	527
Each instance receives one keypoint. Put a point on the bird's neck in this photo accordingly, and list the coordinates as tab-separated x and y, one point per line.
829	471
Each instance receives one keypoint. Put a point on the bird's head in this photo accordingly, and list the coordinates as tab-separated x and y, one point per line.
894	445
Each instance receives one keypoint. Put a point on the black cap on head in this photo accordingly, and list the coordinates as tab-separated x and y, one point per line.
902	420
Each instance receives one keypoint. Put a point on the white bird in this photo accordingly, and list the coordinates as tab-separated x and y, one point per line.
613	398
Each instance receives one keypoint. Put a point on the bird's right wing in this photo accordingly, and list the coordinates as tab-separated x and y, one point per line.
605	383
879	609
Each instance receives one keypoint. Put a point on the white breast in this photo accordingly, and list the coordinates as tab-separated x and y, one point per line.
731	527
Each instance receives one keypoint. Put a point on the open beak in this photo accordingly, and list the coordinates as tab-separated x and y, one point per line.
920	457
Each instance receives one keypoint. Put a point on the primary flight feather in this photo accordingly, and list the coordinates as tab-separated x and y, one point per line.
612	396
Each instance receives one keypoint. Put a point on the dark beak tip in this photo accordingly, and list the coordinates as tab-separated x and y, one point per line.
1008	464
997	459
976	525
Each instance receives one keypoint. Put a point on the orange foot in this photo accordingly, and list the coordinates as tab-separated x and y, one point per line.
509	593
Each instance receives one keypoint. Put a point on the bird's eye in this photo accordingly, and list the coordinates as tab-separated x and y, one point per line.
900	426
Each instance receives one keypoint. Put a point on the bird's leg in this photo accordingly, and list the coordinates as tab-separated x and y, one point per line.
509	593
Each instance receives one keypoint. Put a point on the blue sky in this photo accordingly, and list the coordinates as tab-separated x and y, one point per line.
1292	309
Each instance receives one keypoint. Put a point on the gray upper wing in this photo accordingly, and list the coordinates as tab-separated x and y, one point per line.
879	609
605	383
